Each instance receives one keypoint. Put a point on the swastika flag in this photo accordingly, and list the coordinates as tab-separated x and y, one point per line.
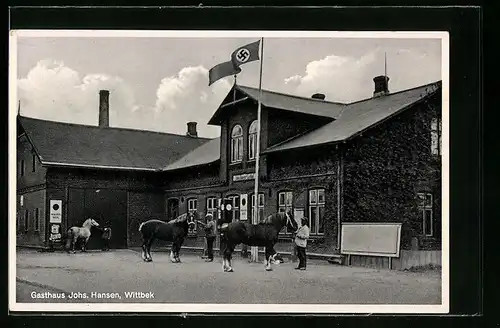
246	54
240	56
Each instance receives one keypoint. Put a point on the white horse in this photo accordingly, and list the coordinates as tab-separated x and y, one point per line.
75	233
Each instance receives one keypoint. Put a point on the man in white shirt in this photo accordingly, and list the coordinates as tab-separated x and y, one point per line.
301	243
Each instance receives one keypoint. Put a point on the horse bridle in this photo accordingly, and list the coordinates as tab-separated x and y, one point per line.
288	219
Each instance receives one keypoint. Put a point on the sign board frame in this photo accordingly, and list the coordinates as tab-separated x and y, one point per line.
55	214
393	225
243	177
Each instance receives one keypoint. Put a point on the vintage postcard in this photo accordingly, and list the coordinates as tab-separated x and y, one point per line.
229	171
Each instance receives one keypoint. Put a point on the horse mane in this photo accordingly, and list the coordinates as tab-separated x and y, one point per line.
268	219
180	219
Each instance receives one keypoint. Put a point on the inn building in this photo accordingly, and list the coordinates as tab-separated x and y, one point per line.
373	160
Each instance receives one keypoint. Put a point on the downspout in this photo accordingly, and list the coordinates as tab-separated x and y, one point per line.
339	198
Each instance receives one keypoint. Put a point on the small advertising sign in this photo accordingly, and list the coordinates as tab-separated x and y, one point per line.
55	211
55	232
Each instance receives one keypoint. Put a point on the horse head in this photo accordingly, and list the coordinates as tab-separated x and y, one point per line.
90	223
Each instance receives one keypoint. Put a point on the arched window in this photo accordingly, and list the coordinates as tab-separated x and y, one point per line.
252	140
236	144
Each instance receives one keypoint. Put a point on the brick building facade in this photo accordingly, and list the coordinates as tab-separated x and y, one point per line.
373	160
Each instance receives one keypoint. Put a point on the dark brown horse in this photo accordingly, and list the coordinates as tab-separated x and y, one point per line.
262	234
172	231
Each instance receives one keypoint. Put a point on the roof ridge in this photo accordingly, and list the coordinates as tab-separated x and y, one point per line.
114	128
294	96
395	93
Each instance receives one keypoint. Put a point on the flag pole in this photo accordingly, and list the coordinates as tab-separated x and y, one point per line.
234	88
255	250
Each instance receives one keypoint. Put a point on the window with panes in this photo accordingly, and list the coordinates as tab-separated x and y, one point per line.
252	140
285	204
36	224
425	208
436	136
192	207
235	207
260	206
236	144
317	211
26	220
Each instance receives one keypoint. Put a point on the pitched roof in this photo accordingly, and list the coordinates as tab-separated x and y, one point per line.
69	144
359	116
272	99
207	153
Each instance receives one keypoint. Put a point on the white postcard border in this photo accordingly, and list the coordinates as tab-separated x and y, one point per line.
226	308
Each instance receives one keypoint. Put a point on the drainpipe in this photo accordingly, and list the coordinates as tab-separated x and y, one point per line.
339	198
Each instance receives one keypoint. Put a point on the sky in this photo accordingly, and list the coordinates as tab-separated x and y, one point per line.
160	84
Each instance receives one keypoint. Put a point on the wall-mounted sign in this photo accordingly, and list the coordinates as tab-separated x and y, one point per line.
243	177
243	207
55	211
55	232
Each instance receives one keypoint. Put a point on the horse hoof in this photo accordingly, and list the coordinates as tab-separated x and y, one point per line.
269	269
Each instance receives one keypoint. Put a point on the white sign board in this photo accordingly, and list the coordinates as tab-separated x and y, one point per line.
55	211
244	177
243	207
374	239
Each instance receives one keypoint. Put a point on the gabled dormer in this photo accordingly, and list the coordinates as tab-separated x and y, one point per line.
283	117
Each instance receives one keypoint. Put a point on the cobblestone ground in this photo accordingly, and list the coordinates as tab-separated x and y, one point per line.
195	281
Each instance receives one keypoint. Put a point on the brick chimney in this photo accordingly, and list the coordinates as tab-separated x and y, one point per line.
319	96
104	108
381	86
191	129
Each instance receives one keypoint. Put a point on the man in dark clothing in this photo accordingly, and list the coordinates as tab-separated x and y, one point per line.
106	237
210	234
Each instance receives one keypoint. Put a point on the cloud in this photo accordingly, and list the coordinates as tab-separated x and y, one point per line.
56	92
187	97
347	79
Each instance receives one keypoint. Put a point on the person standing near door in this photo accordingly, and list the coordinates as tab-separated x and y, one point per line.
106	237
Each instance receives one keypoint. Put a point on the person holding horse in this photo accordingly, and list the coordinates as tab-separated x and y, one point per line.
301	243
209	228
106	237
